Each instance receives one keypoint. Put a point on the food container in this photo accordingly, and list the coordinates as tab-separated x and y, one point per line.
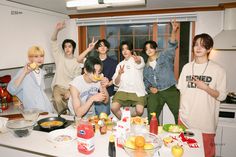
151	144
20	127
30	114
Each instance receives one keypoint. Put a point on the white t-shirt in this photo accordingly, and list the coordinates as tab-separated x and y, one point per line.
153	64
86	90
132	79
66	68
38	76
198	109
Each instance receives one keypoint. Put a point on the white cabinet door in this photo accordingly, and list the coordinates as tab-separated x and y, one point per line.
218	140
228	141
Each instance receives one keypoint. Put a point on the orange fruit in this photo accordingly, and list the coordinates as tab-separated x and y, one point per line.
139	141
140	153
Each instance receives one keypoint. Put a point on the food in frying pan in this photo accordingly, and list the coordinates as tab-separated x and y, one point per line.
49	124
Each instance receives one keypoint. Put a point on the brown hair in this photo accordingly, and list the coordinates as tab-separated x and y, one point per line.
205	40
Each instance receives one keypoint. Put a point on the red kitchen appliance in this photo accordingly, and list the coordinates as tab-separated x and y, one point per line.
5	96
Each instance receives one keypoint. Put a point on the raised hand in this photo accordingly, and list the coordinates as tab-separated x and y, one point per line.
27	69
92	44
121	70
60	25
175	25
153	90
99	97
136	58
104	82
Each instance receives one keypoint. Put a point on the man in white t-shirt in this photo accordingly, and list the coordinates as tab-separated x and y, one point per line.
87	89
67	67
202	84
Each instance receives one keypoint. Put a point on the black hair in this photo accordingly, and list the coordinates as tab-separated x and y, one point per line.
206	41
152	43
129	45
72	42
104	41
90	62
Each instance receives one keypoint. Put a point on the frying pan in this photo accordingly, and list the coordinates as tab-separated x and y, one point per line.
49	119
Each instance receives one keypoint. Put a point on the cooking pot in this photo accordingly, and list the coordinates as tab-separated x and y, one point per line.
231	98
57	122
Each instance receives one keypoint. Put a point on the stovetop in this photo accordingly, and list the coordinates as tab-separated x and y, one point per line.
68	123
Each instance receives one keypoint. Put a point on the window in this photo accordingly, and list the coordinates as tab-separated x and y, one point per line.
138	34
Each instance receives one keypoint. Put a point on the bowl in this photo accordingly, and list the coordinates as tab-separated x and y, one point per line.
152	144
20	127
30	114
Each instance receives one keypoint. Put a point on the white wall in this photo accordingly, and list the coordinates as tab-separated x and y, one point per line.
24	26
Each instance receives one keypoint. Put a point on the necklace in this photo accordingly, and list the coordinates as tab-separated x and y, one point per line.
204	68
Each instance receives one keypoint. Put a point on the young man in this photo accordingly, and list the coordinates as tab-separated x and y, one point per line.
159	77
202	85
129	78
28	84
109	67
67	67
86	90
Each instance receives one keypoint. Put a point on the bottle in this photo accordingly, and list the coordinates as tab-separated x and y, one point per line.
112	147
85	137
153	124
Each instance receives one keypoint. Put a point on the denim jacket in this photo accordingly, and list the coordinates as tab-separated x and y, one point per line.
162	76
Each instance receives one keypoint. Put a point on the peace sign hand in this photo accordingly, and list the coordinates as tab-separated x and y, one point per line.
121	70
92	44
137	59
175	25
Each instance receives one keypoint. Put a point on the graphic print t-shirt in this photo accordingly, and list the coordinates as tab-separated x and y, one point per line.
86	90
198	109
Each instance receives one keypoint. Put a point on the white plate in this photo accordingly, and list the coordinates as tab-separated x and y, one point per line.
62	136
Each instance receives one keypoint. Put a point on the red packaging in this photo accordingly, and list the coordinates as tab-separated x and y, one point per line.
85	137
153	124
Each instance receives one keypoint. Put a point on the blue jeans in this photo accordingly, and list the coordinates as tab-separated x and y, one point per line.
102	107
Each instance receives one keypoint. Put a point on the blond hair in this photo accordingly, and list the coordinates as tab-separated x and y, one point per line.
35	51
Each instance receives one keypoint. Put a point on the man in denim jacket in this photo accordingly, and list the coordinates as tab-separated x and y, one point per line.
159	77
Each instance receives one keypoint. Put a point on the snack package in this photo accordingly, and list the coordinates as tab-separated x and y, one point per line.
33	66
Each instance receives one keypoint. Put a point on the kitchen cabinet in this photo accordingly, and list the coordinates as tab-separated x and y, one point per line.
225	139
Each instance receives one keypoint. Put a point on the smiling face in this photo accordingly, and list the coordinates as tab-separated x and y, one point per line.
36	55
126	52
150	51
38	59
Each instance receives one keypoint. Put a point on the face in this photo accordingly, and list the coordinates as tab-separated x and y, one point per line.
126	52
97	73
68	49
199	50
39	59
102	49
150	51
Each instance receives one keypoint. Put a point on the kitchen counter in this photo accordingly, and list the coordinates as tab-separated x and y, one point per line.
37	145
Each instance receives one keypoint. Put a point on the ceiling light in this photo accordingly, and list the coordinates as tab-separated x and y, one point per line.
80	3
91	4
